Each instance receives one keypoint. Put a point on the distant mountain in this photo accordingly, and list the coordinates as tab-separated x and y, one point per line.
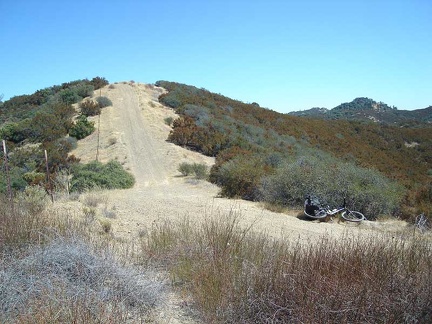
366	109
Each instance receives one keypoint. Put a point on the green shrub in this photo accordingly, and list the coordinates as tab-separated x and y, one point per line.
104	176
16	179
72	142
99	82
198	169
240	177
169	121
82	128
366	190
34	178
83	90
69	96
48	127
185	168
90	108
103	102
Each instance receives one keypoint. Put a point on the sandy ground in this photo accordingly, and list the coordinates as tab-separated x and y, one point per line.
133	132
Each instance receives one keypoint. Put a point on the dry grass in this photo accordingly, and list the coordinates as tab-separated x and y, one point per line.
95	197
55	267
236	276
69	281
58	267
25	221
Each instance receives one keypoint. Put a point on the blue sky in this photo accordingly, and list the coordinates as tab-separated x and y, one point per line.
285	55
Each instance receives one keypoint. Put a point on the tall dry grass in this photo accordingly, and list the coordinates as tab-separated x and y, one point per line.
237	276
60	267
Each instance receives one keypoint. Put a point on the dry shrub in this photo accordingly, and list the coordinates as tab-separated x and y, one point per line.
106	225
112	140
90	108
236	276
68	281
24	219
95	197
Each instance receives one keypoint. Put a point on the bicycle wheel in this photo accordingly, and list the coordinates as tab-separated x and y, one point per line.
353	216
321	213
318	214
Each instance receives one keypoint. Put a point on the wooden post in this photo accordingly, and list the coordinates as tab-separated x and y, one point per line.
48	177
98	138
9	187
98	134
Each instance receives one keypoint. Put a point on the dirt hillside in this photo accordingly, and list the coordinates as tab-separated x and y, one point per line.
133	131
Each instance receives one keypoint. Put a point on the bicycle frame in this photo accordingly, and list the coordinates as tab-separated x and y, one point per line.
317	212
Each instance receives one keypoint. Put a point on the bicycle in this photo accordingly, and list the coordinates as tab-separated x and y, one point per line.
316	211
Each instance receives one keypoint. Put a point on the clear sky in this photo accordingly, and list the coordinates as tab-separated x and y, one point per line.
284	55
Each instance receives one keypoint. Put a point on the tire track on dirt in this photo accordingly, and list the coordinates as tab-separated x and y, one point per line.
141	146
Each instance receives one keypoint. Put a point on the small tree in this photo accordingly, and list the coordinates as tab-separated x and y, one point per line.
99	82
82	128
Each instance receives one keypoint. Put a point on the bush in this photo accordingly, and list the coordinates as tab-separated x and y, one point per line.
240	177
72	142
69	96
198	169
14	132
48	127
16	178
185	168
366	190
84	90
82	128
90	108
104	176
99	82
168	121
69	281
103	102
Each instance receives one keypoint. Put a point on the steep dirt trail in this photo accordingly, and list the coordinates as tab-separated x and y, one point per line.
142	148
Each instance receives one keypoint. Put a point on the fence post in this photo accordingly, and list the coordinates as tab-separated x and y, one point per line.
48	177
98	133
9	187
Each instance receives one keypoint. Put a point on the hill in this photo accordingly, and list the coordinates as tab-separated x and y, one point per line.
251	144
368	110
260	154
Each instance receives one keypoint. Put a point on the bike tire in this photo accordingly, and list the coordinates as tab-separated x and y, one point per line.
319	214
353	216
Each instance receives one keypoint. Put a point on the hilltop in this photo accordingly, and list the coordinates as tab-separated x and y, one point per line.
369	110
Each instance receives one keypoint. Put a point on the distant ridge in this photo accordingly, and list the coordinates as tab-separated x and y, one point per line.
369	110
